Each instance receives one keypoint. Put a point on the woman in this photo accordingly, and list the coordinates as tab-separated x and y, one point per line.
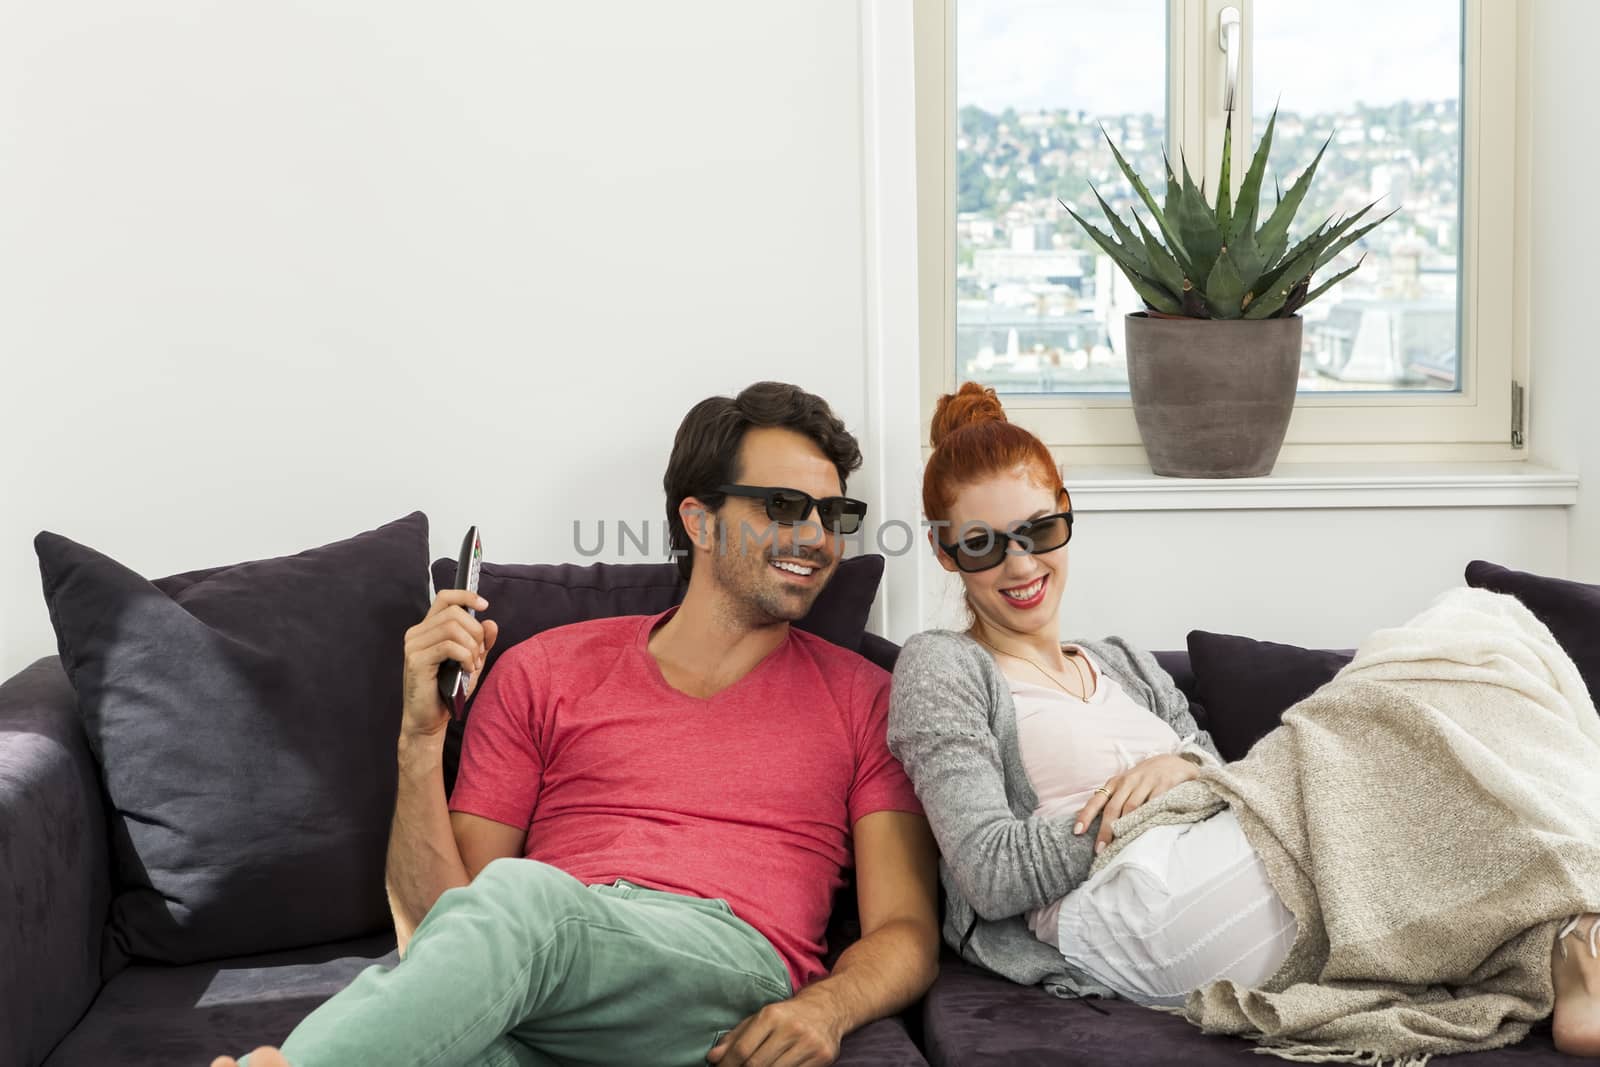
1018	744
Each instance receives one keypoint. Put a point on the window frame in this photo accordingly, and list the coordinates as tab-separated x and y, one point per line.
1473	424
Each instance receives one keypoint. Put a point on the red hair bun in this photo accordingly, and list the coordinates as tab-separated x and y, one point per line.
973	440
968	406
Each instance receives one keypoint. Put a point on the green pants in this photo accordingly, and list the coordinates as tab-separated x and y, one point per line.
527	966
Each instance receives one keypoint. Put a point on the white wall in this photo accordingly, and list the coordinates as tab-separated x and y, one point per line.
1321	578
1564	237
247	248
277	273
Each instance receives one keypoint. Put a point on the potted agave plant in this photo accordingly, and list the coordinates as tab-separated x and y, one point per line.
1214	361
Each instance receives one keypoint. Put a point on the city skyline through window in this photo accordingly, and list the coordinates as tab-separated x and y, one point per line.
1039	309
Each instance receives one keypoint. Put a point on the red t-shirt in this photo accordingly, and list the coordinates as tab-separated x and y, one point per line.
748	796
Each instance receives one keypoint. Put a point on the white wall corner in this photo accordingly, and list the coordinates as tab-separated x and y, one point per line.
1558	82
889	204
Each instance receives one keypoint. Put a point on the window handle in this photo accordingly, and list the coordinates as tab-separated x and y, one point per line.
1228	41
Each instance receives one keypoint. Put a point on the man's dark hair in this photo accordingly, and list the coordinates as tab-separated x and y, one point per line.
705	454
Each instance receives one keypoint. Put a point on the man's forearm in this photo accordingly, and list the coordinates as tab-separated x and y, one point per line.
423	859
881	974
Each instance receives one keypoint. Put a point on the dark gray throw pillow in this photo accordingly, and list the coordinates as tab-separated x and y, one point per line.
1571	610
244	720
1246	685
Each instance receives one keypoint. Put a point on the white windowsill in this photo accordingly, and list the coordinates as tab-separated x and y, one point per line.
1327	485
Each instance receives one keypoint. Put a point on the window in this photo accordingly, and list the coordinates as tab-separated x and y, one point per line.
1038	307
1412	357
1391	102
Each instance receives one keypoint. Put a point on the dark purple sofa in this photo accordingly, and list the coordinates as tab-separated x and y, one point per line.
57	1008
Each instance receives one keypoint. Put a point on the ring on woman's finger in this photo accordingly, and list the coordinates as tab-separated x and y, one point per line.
1103	789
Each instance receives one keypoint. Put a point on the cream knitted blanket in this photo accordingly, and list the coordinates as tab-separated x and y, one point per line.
1430	816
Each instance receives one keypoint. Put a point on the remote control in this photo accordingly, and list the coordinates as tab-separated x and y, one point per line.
453	676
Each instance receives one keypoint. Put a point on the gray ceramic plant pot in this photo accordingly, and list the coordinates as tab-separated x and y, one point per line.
1212	397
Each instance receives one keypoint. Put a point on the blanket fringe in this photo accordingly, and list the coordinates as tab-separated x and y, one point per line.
1168	1009
1324	1054
1319	1053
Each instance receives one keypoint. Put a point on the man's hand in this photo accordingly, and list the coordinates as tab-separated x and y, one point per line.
894	962
1144	781
446	632
803	1031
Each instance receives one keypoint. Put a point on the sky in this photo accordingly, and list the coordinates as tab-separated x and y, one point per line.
1108	56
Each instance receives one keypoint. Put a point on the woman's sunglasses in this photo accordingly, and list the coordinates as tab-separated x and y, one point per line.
840	514
989	549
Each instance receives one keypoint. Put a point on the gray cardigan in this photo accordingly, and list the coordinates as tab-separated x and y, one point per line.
953	726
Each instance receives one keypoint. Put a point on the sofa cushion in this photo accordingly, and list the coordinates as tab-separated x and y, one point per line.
1571	610
973	1018
1246	685
153	1016
529	598
244	720
880	651
882	1043
1178	666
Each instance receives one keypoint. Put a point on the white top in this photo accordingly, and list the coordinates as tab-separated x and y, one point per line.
1070	746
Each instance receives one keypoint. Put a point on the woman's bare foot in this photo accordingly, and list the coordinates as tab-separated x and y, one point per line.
1576	973
261	1057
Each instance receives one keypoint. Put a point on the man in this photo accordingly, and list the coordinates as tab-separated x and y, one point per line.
653	812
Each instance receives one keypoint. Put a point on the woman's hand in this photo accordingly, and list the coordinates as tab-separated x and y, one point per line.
1143	781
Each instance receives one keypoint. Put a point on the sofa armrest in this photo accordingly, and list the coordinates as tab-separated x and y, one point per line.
54	864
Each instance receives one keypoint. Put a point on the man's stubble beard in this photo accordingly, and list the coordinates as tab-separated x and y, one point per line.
754	592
